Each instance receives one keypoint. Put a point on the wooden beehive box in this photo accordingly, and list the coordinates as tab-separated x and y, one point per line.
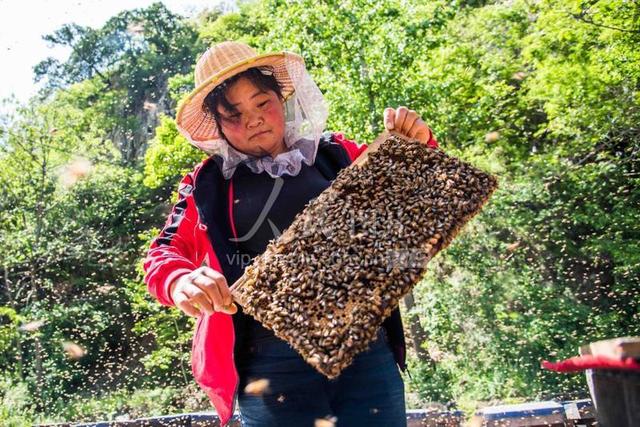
327	283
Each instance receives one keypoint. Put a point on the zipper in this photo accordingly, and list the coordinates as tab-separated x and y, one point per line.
233	344
203	227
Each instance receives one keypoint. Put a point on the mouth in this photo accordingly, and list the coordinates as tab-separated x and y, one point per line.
259	133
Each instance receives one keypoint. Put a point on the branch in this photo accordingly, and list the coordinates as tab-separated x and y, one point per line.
582	16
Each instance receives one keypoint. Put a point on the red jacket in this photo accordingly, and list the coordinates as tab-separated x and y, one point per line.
182	246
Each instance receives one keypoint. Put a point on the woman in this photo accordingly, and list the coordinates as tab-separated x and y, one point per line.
261	118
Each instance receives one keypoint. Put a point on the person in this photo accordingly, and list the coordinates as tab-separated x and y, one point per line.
261	119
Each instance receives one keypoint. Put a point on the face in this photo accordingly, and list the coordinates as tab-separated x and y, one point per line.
257	127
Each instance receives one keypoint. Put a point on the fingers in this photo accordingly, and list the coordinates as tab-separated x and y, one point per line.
230	309
401	119
216	288
209	289
221	282
417	127
423	133
402	114
389	116
406	122
420	131
182	302
202	298
204	289
214	285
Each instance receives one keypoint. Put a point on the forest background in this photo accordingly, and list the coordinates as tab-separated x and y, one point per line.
543	93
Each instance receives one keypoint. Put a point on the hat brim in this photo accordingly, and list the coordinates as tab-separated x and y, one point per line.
198	126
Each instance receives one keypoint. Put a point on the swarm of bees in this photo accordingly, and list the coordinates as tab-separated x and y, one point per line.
327	283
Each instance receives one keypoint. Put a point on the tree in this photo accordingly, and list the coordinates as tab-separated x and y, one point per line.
132	56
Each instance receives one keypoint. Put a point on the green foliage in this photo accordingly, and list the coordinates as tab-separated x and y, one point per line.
168	360
586	71
9	333
551	263
66	236
169	157
15	410
131	56
363	54
133	42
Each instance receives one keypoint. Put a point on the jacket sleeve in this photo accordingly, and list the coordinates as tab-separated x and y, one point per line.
354	149
172	253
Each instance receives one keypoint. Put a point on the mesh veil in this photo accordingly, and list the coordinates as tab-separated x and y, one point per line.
306	115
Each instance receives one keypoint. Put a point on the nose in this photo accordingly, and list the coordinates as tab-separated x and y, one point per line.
255	120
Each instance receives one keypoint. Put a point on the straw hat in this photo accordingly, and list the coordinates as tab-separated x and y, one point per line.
217	64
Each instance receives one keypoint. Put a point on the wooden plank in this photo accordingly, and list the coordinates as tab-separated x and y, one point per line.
615	348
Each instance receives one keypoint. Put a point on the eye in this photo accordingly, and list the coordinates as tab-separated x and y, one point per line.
233	117
263	103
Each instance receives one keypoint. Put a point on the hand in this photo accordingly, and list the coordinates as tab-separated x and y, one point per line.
204	289
407	122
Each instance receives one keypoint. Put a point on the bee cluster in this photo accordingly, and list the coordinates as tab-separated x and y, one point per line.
327	283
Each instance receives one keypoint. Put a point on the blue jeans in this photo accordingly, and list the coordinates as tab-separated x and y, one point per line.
370	392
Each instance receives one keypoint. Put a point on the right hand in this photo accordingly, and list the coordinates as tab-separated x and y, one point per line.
204	289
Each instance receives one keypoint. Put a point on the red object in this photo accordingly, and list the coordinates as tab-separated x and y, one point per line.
580	363
184	245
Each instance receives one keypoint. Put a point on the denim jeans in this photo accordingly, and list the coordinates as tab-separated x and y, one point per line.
370	392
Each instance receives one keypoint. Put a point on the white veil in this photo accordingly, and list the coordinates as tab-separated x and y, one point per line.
305	119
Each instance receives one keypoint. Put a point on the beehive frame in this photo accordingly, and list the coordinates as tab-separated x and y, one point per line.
327	283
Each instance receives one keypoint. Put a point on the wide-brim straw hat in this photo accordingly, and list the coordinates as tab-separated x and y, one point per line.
217	64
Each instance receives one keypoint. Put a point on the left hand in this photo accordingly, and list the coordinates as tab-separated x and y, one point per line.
406	122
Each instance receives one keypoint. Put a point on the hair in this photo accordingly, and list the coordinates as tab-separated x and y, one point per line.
218	96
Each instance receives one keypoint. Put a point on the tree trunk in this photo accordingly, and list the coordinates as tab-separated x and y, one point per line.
12	304
39	371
